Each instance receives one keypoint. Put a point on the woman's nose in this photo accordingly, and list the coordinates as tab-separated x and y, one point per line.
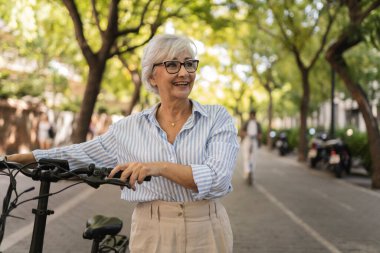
182	71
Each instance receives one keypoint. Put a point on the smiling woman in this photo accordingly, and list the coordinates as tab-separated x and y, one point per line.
187	148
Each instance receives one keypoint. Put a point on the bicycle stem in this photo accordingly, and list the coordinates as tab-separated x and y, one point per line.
40	214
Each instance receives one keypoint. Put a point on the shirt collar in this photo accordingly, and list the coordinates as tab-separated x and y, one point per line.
197	107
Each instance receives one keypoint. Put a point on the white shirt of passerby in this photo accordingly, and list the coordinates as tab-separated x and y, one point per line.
43	131
252	129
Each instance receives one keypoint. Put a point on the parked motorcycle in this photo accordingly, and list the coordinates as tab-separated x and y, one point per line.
282	144
332	154
318	154
340	157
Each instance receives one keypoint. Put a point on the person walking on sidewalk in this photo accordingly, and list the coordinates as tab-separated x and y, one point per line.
45	128
188	148
251	138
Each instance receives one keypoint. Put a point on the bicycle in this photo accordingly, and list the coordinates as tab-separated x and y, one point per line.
102	230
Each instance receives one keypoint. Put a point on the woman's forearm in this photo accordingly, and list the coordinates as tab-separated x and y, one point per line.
180	174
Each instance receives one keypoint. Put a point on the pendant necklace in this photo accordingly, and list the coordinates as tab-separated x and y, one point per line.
172	123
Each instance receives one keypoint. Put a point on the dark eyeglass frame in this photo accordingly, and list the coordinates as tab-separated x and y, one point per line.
180	65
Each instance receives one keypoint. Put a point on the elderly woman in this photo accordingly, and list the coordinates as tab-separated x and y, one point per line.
189	149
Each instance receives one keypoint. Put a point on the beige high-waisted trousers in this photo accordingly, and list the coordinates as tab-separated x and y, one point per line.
180	227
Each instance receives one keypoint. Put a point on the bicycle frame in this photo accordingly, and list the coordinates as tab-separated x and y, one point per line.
41	214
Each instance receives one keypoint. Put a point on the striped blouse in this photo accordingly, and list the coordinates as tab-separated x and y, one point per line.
207	142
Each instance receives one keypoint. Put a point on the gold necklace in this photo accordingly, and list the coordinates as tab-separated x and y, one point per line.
172	123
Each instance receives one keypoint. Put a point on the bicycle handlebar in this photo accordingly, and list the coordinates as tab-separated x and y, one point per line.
47	171
54	170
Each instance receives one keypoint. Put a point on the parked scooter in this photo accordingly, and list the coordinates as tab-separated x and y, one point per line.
332	154
282	144
318	154
340	157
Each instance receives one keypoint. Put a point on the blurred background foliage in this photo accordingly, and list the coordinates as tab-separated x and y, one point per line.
248	53
41	35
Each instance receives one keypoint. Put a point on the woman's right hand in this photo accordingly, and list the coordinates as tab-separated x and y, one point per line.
134	172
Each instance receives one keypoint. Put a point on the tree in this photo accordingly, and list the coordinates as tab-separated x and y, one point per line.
142	20
262	60
267	79
24	36
352	35
303	30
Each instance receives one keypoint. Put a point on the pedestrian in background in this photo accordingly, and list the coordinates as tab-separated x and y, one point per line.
44	132
188	148
251	140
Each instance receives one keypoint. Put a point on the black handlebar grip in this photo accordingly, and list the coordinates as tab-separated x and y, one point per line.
118	175
115	181
59	163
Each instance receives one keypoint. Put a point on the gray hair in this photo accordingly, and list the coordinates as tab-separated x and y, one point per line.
163	47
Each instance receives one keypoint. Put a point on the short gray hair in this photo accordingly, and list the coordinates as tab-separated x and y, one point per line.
162	47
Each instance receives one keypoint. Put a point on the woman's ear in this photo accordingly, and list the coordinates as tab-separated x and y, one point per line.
152	81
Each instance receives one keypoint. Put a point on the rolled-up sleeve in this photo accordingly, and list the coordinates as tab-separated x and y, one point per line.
213	177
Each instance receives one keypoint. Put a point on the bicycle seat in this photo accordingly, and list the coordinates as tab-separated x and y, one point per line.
100	226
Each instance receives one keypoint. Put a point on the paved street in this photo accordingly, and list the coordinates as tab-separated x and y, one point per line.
290	209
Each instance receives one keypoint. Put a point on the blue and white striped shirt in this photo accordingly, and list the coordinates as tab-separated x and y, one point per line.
207	142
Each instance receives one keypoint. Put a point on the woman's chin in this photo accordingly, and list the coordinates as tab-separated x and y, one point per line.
182	90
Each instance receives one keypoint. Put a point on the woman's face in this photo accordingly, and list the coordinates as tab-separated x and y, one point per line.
173	86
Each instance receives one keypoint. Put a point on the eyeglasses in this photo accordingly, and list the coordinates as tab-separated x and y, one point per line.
173	67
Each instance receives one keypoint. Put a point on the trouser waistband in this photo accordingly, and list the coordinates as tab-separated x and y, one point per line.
188	210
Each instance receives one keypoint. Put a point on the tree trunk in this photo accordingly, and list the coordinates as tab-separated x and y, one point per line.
270	118
94	80
136	93
335	56
304	108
